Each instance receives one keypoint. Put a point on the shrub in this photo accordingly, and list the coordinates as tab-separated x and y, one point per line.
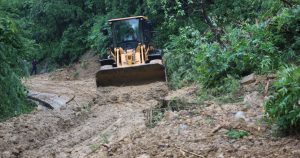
12	97
286	28
248	49
283	107
236	134
73	44
96	39
179	57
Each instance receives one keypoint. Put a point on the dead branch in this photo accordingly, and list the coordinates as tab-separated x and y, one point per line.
41	101
189	152
267	88
71	99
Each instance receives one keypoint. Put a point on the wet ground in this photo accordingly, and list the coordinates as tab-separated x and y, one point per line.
114	122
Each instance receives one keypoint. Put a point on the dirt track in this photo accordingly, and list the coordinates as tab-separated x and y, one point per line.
93	118
79	129
110	122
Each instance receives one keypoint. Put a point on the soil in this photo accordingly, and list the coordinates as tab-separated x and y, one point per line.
111	122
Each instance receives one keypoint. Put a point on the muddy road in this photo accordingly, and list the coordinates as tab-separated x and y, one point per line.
111	122
93	118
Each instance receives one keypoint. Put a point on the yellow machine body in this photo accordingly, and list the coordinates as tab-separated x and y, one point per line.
130	65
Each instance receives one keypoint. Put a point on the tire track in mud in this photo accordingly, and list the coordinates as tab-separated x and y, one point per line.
105	115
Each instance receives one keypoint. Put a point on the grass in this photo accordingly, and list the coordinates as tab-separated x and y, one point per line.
75	75
84	64
236	134
103	140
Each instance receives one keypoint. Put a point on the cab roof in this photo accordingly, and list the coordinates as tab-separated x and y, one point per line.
127	18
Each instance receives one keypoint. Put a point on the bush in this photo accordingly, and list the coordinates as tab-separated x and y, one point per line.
73	44
179	57
286	28
247	49
12	97
96	39
283	106
227	93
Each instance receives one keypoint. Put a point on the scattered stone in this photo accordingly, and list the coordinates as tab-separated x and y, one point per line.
271	76
240	115
253	99
6	154
40	108
52	101
248	79
77	109
183	126
208	103
168	137
143	156
183	113
296	153
14	139
182	129
170	115
63	108
221	155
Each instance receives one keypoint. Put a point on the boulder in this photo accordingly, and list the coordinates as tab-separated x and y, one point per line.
248	79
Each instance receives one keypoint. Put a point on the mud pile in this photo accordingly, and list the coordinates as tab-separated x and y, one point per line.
204	131
80	129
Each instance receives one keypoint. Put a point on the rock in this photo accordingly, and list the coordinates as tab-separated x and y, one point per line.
183	113
221	155
52	101
167	137
143	156
77	109
253	99
296	153
271	76
6	154
298	102
248	79
183	129
169	115
244	147
240	115
183	126
40	108
14	139
63	108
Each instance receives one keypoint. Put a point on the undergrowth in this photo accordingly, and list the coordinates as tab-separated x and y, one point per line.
283	105
236	134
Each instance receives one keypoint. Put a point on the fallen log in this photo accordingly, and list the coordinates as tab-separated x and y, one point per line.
51	101
41	102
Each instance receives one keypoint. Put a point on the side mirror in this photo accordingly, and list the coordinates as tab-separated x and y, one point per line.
104	31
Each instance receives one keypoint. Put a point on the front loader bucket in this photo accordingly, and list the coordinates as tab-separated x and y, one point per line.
134	75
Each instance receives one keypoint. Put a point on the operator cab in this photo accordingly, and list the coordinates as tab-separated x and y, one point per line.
128	32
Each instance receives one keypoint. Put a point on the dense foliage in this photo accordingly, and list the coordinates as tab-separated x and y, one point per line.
210	42
12	50
283	106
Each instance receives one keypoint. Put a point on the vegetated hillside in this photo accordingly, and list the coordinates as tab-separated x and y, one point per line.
210	42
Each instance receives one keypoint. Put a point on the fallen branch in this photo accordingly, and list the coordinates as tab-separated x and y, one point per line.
70	99
217	128
267	88
189	152
41	101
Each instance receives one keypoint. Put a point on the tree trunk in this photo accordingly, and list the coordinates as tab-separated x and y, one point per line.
216	31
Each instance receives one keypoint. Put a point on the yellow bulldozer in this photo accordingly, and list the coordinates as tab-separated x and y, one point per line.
131	59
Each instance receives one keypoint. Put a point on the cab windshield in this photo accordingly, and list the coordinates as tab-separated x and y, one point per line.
127	30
